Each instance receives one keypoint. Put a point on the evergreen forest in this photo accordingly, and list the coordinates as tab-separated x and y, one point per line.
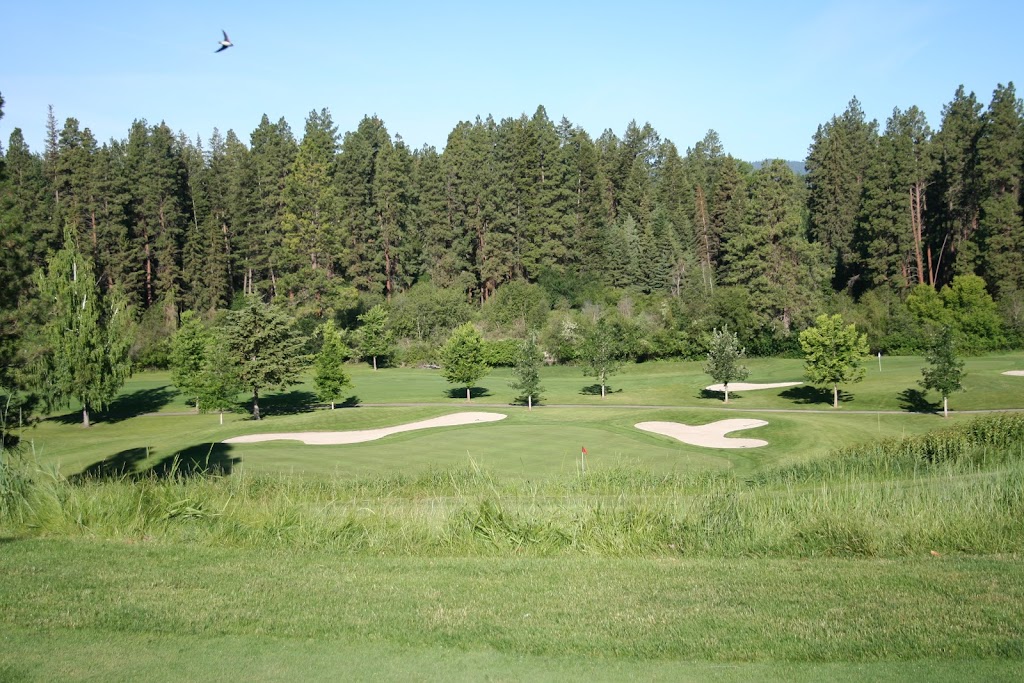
520	225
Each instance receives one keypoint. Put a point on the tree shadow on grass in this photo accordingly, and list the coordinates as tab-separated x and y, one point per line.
124	407
288	403
201	459
127	406
474	392
118	466
204	458
718	395
595	390
806	394
914	401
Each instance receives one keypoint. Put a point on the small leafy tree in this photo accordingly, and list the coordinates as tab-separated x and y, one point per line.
833	353
375	339
188	356
945	373
599	353
526	372
219	381
462	357
724	356
265	346
331	379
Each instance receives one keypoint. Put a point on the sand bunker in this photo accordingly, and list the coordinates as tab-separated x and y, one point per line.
747	386
710	435
1015	373
360	435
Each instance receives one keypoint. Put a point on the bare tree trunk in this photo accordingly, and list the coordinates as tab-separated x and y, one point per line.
835	395
726	385
529	402
467	394
85	417
945	406
255	403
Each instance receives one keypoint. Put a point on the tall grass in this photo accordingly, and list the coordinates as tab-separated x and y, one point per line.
956	491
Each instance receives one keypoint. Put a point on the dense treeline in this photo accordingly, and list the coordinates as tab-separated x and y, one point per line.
527	223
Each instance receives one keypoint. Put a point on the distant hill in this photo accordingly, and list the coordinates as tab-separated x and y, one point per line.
798	166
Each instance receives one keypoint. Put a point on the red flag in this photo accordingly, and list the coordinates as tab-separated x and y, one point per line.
584	450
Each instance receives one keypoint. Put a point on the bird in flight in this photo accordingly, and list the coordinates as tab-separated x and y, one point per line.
226	43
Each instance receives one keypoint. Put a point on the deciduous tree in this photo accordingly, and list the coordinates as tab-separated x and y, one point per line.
945	373
462	357
724	359
833	353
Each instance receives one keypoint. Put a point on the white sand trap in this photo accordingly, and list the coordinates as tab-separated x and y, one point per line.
711	435
748	386
360	435
1015	373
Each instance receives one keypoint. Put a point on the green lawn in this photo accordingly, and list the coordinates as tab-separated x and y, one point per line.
193	613
150	424
96	598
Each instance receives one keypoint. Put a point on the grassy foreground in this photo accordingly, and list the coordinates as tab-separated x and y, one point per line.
120	611
482	553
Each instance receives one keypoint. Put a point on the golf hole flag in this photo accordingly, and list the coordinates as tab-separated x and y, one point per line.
583	458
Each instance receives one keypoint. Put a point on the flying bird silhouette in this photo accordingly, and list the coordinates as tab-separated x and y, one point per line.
224	44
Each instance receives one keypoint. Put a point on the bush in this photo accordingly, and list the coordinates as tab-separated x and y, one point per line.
501	353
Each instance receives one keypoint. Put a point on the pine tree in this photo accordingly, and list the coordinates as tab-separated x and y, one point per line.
891	221
265	346
331	379
771	256
220	380
272	151
526	373
837	165
86	337
1001	223
955	190
310	222
189	351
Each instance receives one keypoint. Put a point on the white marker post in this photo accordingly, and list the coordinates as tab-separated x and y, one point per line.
879	361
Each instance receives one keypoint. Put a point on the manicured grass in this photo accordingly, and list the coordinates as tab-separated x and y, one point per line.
168	612
652	566
545	441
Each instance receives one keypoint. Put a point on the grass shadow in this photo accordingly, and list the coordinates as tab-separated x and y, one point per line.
914	401
289	403
201	459
595	390
806	394
127	406
122	464
717	395
124	407
474	392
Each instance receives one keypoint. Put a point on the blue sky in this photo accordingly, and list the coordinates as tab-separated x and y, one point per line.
764	75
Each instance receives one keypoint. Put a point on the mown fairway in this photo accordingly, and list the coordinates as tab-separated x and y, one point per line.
397	560
540	443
